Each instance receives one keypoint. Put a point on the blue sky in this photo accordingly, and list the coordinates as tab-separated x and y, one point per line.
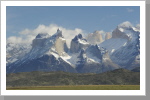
87	18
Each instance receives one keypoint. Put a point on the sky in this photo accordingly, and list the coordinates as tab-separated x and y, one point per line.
23	22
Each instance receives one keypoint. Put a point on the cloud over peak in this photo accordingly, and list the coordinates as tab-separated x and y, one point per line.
27	35
125	24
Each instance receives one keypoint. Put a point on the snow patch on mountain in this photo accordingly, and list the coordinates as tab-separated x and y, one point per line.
91	58
51	52
113	44
42	35
15	52
126	54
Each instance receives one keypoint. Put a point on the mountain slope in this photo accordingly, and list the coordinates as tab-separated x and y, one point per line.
78	43
16	51
95	37
44	55
50	53
123	47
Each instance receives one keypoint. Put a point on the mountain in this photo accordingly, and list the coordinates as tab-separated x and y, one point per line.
108	36
87	64
95	37
85	55
44	55
77	43
16	51
123	47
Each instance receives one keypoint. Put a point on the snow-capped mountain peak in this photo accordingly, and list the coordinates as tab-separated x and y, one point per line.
77	43
123	47
50	53
42	35
58	34
125	25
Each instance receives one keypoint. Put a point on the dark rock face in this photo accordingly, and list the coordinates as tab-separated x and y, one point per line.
82	58
118	34
40	58
77	43
75	38
38	42
50	53
97	52
82	53
42	35
107	63
44	63
83	66
59	33
89	68
66	49
80	36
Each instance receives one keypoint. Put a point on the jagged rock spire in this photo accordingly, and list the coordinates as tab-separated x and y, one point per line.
59	33
95	37
58	30
82	52
75	38
80	36
42	35
77	43
82	57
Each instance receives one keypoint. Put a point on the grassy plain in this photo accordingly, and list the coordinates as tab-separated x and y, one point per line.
79	87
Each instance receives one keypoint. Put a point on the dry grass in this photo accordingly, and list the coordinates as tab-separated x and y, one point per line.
79	87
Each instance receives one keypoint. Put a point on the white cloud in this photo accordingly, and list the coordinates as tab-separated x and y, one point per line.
138	26
126	24
27	35
14	39
70	34
130	10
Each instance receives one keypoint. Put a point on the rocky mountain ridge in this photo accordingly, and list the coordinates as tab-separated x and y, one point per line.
50	53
